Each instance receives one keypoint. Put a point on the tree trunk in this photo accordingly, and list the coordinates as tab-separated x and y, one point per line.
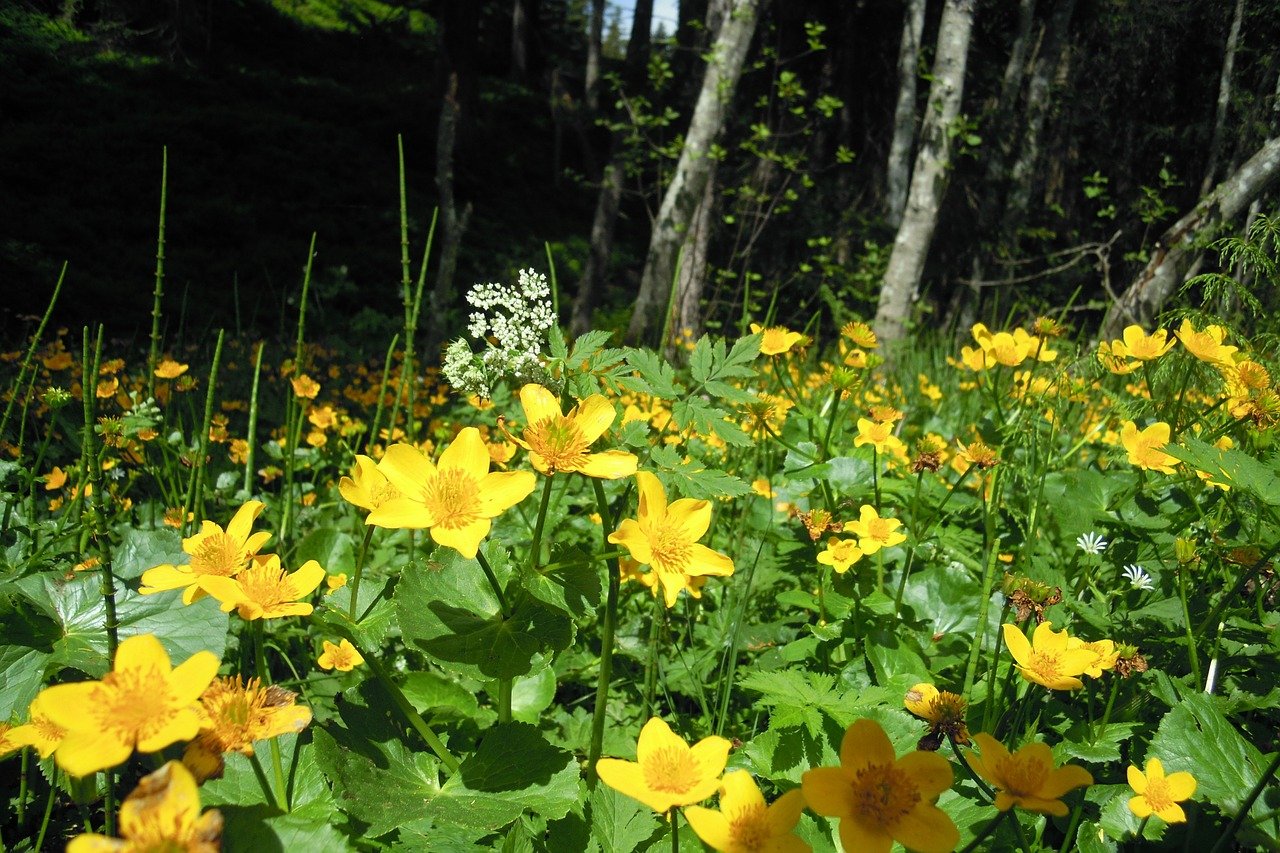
451	224
691	279
1148	292
601	244
595	35
1022	177
929	177
1224	99
898	170
694	167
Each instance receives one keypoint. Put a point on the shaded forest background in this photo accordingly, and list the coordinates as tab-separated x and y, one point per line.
281	119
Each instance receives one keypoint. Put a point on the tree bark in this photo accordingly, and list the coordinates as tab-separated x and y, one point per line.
691	279
693	168
898	170
1022	176
1224	99
452	225
929	177
595	36
1146	295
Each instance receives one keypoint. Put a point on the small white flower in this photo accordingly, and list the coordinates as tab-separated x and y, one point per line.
1091	543
1137	577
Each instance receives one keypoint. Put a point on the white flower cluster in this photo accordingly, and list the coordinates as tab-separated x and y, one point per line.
513	323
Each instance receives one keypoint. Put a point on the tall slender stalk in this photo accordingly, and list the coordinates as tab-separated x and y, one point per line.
607	627
153	354
251	434
382	394
292	405
195	489
31	349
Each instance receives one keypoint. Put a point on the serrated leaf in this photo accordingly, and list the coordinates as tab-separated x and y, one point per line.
659	377
333	549
368	632
556	345
574	589
140	550
435	695
619	824
239	784
1232	467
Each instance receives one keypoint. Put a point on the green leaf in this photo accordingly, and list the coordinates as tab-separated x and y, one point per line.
78	609
657	376
533	694
140	550
1226	766
239	785
252	829
1231	467
619	824
369	632
512	770
21	677
1103	747
447	610
436	695
333	549
692	480
556	345
574	589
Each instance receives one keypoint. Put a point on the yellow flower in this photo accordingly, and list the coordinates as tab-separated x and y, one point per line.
879	434
322	417
1207	344
874	532
945	712
667	771
55	479
107	388
367	487
305	387
143	703
214	553
744	823
840	554
1144	446
1104	655
761	487
265	591
860	334
1112	357
666	538
343	657
1158	794
233	715
1138	344
335	582
880	798
162	813
1026	778
40	731
776	340
559	442
170	369
1048	658
456	499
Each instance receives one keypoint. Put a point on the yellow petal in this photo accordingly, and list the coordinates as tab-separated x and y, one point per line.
711	753
711	826
406	468
242	521
502	490
692	517
739	791
1140	807
143	651
929	770
927	829
1017	643
1181	785
704	561
631	536
1137	781
826	790
653	498
855	835
1172	813
610	465
1066	778
189	679
90	843
465	540
1046	639
165	577
593	416
656	736
401	514
538	404
784	813
865	743
627	778
226	590
467	453
85	752
1155	768
184	725
305	580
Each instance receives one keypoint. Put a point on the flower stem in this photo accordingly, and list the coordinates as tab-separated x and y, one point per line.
535	551
964	765
675	830
986	831
504	700
1192	657
260	655
493	582
1143	826
606	638
651	665
984	602
275	796
48	809
355	580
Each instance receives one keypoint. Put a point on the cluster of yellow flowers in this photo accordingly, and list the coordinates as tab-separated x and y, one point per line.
873	533
1008	349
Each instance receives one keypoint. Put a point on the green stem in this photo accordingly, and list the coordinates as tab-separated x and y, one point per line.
504	700
987	830
493	582
651	665
355	580
1022	836
153	354
251	433
275	796
1243	811
1193	657
31	351
607	627
109	803
382	395
674	814
1143	826
48	810
964	765
1106	714
984	603
535	551
22	787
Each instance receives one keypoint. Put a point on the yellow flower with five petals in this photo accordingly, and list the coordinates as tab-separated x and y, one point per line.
667	772
745	824
1026	778
558	442
214	552
1048	658
1158	794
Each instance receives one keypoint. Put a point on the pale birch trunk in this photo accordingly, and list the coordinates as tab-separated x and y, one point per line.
693	169
1224	99
898	169
452	224
595	33
1146	295
1022	176
929	177
692	277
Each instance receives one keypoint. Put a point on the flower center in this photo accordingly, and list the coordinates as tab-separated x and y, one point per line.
135	703
266	586
1021	778
452	497
218	554
749	828
671	770
670	548
559	441
1158	794
882	794
878	529
1045	664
